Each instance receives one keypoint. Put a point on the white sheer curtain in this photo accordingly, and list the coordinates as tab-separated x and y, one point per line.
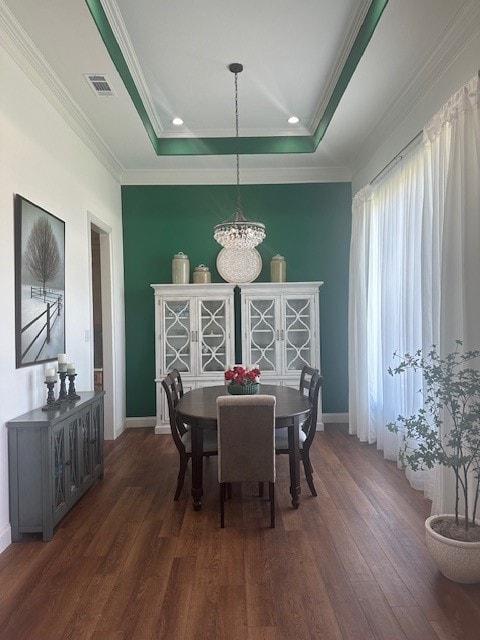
415	272
453	138
386	309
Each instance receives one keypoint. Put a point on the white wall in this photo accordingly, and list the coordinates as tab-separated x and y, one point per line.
460	68
42	159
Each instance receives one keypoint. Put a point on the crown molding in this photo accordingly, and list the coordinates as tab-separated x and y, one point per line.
339	65
462	29
292	132
122	37
249	176
23	50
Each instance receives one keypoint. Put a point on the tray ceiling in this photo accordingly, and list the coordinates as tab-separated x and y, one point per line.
341	67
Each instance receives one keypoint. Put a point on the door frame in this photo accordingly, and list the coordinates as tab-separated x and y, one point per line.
105	233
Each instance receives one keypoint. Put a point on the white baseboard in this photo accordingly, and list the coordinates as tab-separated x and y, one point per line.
330	418
162	429
147	421
136	423
118	430
5	537
151	421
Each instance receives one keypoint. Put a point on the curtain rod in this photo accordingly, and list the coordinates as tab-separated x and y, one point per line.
397	157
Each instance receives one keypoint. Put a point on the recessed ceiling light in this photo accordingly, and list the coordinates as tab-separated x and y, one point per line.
293	120
177	121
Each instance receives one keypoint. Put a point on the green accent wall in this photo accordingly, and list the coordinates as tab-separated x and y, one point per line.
307	223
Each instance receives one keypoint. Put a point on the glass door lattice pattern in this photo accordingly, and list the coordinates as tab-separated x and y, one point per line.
213	335
177	316
59	460
298	333
263	350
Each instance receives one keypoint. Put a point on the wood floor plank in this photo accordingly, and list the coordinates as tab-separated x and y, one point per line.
350	616
385	574
414	624
259	595
130	563
380	616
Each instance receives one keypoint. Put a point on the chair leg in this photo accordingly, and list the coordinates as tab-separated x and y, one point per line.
181	476
307	465
222	504
260	489
271	492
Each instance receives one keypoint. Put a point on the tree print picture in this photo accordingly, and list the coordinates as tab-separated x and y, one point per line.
39	284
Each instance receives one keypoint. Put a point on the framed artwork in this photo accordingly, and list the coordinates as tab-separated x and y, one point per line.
39	284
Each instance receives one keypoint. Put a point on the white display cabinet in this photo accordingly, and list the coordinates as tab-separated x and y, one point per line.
281	330
194	333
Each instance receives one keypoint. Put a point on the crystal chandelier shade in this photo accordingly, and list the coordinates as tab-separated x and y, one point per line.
238	233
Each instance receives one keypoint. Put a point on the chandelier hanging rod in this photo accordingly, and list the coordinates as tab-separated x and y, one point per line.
239	233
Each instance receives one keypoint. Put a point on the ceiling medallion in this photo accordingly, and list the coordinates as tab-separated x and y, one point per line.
239	233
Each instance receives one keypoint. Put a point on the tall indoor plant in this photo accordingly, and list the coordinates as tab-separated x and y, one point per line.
446	431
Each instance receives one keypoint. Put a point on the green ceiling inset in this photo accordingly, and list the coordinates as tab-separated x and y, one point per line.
248	145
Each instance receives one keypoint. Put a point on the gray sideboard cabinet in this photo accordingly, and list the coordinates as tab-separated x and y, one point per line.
54	457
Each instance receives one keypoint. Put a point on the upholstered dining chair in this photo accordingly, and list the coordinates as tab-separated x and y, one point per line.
246	444
181	434
310	384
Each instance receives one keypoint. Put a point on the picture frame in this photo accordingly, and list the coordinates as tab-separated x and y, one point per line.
39	283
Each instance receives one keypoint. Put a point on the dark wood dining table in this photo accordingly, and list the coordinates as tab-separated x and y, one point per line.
198	408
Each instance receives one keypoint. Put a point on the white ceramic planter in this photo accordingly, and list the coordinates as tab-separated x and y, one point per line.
458	561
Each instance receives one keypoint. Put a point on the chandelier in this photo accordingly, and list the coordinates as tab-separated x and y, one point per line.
239	233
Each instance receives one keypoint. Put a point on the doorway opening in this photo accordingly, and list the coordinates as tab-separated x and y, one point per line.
101	319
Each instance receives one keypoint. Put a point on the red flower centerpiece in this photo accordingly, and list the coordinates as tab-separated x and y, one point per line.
242	380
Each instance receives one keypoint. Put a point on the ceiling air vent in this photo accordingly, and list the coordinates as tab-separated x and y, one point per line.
99	84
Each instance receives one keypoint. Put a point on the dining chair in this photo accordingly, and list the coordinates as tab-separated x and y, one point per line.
310	384
246	444
181	433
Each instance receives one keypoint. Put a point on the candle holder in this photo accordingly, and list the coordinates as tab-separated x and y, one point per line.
51	402
72	395
63	395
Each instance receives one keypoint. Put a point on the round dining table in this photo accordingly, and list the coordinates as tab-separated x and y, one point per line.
198	409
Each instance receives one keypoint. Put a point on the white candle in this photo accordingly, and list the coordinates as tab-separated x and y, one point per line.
50	371
71	368
50	378
62	358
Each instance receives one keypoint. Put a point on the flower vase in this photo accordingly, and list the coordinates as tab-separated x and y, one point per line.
243	389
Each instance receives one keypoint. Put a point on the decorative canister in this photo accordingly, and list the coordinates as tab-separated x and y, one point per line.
180	269
202	275
278	269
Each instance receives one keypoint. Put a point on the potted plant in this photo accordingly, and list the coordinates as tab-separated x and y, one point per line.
446	431
242	380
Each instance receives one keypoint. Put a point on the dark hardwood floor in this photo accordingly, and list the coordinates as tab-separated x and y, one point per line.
130	563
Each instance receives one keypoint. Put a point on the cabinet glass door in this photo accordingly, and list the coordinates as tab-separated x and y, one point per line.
213	338
298	336
60	470
85	427
177	320
263	334
96	439
74	455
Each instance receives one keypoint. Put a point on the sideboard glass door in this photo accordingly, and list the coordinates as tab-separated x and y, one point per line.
177	347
